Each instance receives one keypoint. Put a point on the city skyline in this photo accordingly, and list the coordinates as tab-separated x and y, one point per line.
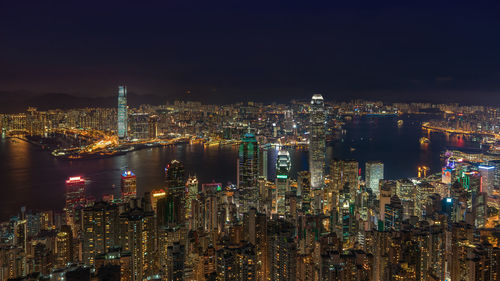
249	141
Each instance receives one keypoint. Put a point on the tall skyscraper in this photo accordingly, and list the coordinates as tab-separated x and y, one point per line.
374	172
344	172
487	178
139	126
129	185
171	209
283	165
122	112
75	197
317	141
248	171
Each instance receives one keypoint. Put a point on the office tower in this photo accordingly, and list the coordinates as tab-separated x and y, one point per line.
283	165
175	174
344	172
192	194
393	216
317	145
75	198
153	126
487	178
374	172
406	191
171	209
248	171
122	113
101	230
304	189
63	248
156	195
209	207
264	149
139	126
129	185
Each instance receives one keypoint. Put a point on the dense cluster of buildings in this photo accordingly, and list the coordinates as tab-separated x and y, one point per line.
329	223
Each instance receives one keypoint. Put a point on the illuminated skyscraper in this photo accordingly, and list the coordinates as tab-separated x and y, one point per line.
344	172
171	209
283	165
139	126
63	248
192	193
487	178
129	185
75	197
374	172
317	141
122	112
248	170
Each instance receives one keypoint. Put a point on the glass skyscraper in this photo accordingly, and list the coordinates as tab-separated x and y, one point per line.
317	141
122	112
374	172
248	164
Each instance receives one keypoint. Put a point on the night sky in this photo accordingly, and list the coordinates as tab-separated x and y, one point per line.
226	51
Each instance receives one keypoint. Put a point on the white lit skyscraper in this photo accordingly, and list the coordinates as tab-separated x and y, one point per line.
317	141
487	178
374	172
283	165
122	112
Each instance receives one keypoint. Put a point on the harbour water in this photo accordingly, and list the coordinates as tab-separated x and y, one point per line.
33	178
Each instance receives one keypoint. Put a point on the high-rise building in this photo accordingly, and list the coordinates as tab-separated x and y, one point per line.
139	126
63	248
344	172
304	189
192	193
100	224
129	185
141	241
171	209
122	113
487	178
374	172
248	171
156	195
283	165
75	197
317	140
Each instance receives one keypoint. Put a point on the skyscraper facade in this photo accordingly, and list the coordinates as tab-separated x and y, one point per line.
283	165
129	185
488	178
374	172
139	126
122	112
248	170
317	141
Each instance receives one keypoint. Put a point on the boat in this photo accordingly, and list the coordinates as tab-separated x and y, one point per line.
400	123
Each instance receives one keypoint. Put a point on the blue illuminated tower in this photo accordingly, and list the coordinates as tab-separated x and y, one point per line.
122	112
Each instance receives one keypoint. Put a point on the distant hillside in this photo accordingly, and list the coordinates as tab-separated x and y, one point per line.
13	102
